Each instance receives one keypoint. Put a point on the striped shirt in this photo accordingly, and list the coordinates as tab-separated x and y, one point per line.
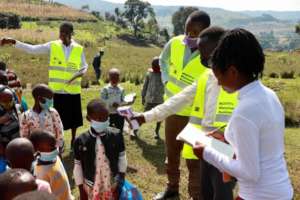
56	176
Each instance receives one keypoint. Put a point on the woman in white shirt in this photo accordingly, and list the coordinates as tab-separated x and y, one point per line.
256	128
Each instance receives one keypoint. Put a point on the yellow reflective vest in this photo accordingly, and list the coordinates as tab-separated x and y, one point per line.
224	107
62	70
181	76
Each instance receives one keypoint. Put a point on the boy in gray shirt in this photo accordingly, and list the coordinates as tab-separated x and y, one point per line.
153	90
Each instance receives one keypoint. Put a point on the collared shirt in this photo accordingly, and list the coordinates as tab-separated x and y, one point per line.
256	132
110	95
46	120
186	97
45	49
164	59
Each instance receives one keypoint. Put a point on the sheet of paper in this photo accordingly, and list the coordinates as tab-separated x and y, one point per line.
191	134
127	112
130	97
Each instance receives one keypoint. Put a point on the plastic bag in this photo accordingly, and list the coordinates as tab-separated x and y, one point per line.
130	192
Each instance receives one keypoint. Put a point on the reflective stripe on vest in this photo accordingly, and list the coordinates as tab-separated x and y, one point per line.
181	76
62	70
224	107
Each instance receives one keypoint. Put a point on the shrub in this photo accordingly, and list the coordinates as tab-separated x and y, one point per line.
288	75
10	21
273	75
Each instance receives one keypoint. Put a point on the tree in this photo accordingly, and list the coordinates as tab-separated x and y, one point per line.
135	12
85	7
109	17
165	34
179	18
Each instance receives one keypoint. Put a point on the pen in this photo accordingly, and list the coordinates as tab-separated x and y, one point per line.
217	129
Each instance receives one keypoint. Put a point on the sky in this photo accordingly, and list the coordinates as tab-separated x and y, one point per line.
235	5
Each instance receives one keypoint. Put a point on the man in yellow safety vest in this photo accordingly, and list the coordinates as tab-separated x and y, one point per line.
67	64
180	67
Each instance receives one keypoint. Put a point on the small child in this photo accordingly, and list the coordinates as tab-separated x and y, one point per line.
100	159
43	116
15	182
20	154
153	90
113	95
49	166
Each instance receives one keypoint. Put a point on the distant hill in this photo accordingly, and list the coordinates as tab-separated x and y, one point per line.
219	16
35	10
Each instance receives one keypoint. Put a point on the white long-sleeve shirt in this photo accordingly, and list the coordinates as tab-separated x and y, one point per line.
256	132
186	97
45	49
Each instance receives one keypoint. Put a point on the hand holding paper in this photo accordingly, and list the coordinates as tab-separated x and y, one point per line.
195	136
126	112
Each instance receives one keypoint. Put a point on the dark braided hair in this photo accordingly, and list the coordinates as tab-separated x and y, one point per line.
240	48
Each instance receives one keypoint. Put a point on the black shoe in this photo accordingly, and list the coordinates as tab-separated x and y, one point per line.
167	194
156	137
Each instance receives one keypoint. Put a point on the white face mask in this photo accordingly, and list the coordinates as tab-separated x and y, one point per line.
99	126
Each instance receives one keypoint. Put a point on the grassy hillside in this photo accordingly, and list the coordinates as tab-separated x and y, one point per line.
44	11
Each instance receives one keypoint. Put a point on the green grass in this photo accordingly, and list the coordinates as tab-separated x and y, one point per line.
146	156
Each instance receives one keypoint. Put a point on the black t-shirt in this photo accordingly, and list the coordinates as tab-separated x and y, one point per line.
85	152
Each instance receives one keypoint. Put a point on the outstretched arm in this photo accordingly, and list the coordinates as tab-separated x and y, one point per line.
29	48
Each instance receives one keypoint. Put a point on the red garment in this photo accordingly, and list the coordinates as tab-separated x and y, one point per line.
239	198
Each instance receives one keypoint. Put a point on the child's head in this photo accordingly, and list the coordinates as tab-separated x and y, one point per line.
155	64
45	143
238	59
20	153
15	182
196	22
35	195
43	96
97	114
114	76
6	98
208	41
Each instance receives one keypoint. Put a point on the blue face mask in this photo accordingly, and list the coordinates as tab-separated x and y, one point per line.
48	104
99	126
3	165
48	156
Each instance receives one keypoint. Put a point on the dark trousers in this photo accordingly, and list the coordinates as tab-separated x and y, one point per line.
174	125
213	187
97	72
117	121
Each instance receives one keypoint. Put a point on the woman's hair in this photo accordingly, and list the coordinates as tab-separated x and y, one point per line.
240	48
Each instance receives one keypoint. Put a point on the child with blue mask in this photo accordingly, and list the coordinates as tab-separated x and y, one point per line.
49	166
100	159
43	116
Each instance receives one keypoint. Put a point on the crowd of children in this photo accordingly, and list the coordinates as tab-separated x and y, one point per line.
219	85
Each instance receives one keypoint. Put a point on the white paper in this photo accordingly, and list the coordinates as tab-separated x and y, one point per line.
126	111
191	134
130	97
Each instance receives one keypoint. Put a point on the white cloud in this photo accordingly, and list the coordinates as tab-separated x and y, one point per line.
233	4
